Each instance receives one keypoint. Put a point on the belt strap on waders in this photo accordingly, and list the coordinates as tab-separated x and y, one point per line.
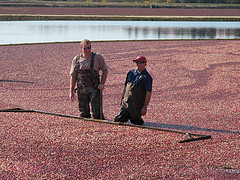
92	60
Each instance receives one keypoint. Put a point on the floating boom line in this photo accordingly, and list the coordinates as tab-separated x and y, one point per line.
188	134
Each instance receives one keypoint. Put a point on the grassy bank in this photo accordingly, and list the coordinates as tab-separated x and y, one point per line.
24	17
116	4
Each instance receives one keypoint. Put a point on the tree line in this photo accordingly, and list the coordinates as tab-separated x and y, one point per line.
182	1
166	1
160	1
202	1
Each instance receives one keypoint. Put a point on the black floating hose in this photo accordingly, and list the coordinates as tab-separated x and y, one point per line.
189	135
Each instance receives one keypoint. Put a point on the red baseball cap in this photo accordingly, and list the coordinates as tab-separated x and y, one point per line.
140	59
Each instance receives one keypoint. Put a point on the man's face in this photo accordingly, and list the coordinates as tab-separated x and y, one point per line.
141	66
86	50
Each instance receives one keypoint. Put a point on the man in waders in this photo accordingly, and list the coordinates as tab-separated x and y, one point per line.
85	72
136	94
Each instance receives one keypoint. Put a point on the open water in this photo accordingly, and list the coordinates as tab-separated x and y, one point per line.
16	32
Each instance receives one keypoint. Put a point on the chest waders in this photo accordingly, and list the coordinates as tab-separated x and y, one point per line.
132	103
87	89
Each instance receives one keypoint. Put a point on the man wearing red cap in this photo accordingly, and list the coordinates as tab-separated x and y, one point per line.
136	94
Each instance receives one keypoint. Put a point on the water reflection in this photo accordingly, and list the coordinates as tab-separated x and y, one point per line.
182	33
62	31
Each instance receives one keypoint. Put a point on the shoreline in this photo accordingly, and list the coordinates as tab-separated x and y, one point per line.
115	41
37	17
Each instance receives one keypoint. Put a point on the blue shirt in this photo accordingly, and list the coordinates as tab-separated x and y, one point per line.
143	78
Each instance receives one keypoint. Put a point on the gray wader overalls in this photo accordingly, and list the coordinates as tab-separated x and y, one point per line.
88	92
132	103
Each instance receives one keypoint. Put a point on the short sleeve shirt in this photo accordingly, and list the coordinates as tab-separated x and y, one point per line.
143	78
84	63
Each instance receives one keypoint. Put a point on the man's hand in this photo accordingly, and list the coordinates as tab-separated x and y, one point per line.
144	110
72	97
101	87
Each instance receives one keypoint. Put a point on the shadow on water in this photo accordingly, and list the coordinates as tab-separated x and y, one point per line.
202	77
1	80
187	128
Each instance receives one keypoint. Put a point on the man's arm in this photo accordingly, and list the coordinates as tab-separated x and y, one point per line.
148	98
147	101
103	79
72	86
124	90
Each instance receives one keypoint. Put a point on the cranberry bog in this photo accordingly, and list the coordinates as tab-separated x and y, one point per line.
114	13
119	11
195	89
